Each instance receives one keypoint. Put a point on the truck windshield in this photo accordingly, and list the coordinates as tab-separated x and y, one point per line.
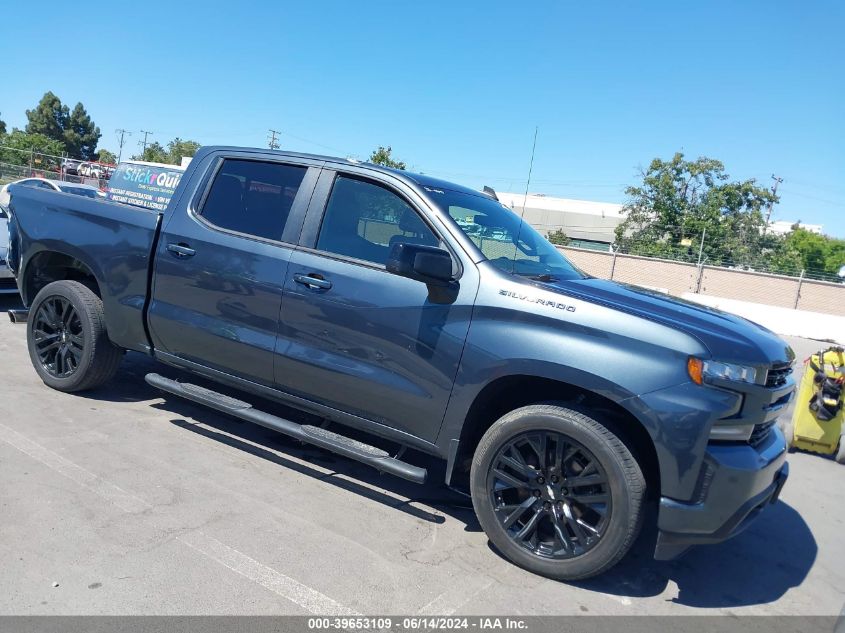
503	237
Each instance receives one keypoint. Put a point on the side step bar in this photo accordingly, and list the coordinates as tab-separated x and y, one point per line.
353	449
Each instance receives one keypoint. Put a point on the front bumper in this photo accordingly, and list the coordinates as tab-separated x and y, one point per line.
736	483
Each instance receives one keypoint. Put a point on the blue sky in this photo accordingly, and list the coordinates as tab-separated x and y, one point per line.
457	87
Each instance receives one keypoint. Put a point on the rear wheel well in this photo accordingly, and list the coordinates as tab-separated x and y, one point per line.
512	392
49	266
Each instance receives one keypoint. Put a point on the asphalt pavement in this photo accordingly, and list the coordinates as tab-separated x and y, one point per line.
119	501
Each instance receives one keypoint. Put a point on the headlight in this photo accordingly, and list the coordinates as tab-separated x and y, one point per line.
729	371
699	369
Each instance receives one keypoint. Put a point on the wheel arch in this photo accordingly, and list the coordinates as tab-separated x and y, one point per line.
47	266
506	393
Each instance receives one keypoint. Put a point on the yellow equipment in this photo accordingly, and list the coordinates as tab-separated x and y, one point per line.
817	424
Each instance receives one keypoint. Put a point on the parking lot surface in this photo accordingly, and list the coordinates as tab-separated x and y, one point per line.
119	501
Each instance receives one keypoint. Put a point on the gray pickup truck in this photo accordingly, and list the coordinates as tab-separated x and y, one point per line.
418	314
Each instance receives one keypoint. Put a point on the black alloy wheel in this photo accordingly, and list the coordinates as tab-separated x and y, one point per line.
550	494
557	491
67	339
58	336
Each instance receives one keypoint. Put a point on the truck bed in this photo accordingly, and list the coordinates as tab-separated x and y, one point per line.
114	241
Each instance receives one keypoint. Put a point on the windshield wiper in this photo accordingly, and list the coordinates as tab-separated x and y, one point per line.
544	277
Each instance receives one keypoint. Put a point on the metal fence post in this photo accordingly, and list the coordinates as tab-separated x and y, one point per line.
798	290
700	275
613	263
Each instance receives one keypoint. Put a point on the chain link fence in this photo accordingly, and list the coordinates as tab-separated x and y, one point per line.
751	250
16	164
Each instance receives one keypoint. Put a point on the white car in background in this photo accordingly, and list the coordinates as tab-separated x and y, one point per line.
91	170
7	280
88	191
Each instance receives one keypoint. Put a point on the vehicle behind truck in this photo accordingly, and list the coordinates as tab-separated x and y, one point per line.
419	316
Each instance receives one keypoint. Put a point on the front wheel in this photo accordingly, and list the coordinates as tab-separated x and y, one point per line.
557	492
67	339
840	453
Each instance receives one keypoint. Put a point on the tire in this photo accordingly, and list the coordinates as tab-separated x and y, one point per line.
67	339
579	530
840	452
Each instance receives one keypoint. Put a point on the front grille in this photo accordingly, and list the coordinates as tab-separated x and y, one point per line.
777	375
760	433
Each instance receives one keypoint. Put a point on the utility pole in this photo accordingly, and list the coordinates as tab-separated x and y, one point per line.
274	144
774	193
143	143
122	132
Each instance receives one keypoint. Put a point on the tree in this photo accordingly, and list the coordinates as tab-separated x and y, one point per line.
19	148
73	129
559	237
153	153
105	156
80	134
818	255
177	149
2	127
49	118
679	200
382	156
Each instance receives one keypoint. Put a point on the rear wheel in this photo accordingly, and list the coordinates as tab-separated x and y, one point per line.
557	492
840	453
67	340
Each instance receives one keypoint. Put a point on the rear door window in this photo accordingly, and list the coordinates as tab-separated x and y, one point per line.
252	197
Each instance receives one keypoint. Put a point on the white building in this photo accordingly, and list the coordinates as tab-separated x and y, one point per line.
782	227
588	224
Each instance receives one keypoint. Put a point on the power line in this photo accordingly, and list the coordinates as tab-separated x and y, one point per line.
122	132
274	144
143	143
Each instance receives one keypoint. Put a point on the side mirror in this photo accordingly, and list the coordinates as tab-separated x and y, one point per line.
428	264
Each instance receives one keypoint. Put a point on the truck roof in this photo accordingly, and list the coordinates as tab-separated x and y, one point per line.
422	180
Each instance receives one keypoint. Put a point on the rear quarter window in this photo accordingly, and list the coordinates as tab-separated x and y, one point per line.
146	186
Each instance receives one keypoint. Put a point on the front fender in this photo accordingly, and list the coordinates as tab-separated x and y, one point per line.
522	330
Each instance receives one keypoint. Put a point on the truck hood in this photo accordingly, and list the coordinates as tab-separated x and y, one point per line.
727	336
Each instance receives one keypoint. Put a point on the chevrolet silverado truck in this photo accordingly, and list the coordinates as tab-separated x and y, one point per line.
418	314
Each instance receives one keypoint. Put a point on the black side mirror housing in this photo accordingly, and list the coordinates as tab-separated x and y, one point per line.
428	264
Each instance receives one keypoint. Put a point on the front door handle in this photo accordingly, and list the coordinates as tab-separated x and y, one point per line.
313	282
181	250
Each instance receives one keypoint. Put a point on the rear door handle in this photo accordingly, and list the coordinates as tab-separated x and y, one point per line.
312	282
181	250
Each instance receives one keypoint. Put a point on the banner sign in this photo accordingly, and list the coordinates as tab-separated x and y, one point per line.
143	186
